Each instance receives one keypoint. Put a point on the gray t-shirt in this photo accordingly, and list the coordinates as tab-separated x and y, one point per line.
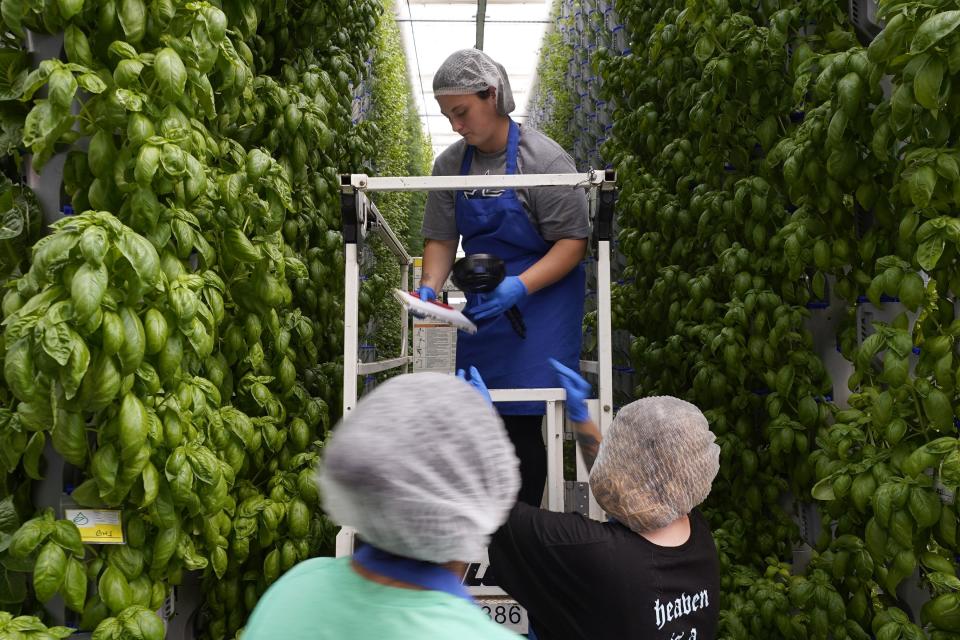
556	212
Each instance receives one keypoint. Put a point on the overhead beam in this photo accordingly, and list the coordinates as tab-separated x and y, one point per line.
470	1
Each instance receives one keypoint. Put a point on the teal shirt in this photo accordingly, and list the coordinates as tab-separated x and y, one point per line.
324	598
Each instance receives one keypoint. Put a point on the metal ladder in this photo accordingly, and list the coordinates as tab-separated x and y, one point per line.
361	219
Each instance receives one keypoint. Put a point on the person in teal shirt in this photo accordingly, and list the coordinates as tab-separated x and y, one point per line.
425	497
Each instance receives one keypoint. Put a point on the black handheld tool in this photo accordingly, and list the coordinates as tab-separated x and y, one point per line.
481	273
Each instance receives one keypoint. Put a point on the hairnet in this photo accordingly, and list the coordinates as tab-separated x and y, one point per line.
469	71
423	468
656	463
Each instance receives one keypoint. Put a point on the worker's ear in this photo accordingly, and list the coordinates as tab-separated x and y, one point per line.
493	94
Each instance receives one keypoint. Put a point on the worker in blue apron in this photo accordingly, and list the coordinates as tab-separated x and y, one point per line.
540	233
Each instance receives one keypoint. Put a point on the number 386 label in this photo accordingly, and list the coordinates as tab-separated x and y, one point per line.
506	612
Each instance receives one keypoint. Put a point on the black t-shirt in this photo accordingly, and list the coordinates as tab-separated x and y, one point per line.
579	578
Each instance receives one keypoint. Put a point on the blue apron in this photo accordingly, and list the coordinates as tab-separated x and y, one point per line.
553	315
418	572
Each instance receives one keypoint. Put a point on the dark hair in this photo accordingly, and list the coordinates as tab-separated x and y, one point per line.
483	95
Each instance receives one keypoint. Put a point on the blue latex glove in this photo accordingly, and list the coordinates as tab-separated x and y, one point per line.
476	382
508	293
577	390
426	294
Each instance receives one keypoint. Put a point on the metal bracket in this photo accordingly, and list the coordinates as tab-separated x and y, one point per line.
577	497
603	228
361	216
349	211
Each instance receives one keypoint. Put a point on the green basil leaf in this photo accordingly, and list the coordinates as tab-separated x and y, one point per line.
133	19
91	83
77	47
929	252
108	629
13	587
33	454
129	560
9	520
131	100
13	12
88	288
151	485
901	103
114	589
105	465
61	87
203	92
70	8
49	571
66	534
123	50
205	465
921	184
947	167
171	74
950	469
148	161
145	624
164	546
75	585
823	490
926	84
28	537
40	122
127	72
219	560
934	29
72	375
141	255
58	342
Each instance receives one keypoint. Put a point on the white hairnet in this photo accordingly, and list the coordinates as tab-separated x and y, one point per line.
656	463
422	468
469	71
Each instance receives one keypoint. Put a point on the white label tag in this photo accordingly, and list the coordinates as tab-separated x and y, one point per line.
506	612
97	526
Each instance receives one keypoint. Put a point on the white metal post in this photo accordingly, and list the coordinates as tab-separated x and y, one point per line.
351	310
404	316
555	482
604	336
604	406
345	541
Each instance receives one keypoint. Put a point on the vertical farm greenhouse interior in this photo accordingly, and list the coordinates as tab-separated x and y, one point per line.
785	255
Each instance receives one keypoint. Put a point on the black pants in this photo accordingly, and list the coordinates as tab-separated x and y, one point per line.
525	433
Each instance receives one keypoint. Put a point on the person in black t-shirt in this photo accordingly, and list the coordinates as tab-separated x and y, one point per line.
652	570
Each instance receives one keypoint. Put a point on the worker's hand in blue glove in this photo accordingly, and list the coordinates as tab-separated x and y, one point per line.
577	390
508	293
476	382
426	294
